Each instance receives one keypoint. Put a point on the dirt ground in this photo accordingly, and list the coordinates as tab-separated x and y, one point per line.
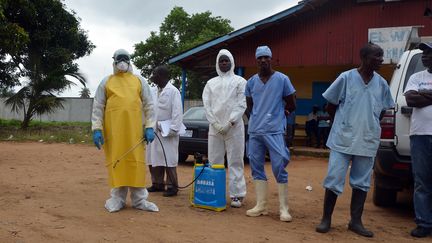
56	193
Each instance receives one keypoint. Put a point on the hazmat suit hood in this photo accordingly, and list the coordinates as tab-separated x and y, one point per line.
231	58
121	52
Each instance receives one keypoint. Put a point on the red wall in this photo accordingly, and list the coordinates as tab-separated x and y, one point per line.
332	34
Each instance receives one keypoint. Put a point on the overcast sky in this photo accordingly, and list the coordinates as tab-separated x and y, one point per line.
113	24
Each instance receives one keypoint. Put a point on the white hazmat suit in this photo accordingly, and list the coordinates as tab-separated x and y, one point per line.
225	103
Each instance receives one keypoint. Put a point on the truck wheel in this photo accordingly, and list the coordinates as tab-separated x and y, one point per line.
384	197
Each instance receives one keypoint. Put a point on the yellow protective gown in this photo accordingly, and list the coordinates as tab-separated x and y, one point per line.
122	129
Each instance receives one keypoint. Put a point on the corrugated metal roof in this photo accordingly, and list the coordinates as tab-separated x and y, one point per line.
250	28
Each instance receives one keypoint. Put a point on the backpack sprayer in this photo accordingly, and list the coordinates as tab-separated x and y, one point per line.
209	187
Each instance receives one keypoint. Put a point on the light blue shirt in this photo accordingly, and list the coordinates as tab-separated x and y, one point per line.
356	128
268	116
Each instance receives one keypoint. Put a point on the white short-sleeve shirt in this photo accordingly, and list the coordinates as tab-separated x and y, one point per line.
421	118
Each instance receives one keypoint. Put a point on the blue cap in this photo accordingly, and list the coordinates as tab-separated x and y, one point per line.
263	51
425	45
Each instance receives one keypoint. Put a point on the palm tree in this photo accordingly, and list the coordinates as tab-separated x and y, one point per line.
85	92
38	97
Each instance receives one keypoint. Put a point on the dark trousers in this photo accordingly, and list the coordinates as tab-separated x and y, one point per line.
158	174
289	134
421	154
311	128
323	133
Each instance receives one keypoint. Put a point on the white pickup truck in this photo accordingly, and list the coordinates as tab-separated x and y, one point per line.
392	169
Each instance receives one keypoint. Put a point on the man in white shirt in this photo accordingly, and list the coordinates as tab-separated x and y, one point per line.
169	111
418	94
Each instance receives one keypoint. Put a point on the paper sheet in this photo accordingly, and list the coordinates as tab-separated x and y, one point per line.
165	128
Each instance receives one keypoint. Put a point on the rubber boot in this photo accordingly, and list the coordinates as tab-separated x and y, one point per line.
261	197
329	203
358	199
283	203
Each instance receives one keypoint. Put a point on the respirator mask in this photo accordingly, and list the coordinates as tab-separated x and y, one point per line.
122	62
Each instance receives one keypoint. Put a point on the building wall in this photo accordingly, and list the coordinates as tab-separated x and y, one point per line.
313	49
75	109
332	34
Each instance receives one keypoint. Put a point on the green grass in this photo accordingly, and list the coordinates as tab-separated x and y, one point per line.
50	132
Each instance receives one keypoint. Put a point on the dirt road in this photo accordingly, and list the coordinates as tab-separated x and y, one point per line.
56	193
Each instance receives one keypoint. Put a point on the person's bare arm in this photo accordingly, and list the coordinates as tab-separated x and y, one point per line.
382	115
290	102
418	99
331	109
249	104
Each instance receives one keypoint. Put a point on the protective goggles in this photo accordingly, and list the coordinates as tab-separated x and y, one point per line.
121	58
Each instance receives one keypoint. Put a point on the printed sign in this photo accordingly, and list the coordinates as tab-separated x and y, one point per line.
392	40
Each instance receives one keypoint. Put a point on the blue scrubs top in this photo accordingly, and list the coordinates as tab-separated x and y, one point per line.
356	128
268	115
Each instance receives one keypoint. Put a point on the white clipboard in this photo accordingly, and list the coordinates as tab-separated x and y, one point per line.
166	126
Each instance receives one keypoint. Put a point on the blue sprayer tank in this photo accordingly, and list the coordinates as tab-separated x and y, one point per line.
209	189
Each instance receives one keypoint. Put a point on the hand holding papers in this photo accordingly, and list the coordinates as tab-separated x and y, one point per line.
165	127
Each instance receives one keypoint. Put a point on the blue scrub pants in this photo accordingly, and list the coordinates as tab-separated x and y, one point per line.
421	154
360	173
279	156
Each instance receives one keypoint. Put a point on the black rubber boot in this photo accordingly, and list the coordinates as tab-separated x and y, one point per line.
358	199
329	203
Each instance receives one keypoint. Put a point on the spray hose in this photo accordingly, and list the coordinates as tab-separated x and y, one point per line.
166	162
169	175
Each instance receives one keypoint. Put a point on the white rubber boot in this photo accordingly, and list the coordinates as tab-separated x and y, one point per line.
261	197
283	203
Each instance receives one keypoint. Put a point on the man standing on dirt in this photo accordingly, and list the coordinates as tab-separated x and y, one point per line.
225	104
357	100
169	118
122	102
269	94
418	94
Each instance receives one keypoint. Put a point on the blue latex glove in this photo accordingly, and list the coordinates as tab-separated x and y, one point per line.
98	139
149	135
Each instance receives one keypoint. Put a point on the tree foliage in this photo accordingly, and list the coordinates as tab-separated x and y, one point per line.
179	32
12	39
41	41
85	92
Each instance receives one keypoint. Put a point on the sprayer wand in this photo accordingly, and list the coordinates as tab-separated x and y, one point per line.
127	152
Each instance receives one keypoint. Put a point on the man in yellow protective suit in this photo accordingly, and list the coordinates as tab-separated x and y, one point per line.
122	107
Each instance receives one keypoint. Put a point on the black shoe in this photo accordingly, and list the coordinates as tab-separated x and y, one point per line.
155	189
170	192
329	202
421	232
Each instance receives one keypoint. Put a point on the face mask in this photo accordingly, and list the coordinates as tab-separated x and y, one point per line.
122	66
